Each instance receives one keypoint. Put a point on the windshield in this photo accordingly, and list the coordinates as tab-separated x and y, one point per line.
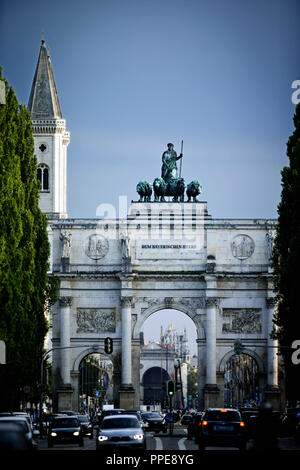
83	419
117	423
18	421
151	415
65	423
222	416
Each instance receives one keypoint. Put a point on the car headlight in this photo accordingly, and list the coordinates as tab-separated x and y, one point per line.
102	438
53	434
76	433
138	437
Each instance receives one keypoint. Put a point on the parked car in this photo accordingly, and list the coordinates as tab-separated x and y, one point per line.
222	427
122	430
27	430
86	426
297	428
65	429
114	411
12	437
193	426
186	419
155	421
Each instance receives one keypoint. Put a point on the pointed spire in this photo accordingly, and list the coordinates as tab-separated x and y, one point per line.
43	101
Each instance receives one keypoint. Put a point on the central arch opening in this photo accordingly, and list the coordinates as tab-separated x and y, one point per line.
168	352
95	382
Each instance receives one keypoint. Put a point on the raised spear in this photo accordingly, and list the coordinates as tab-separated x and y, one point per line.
181	153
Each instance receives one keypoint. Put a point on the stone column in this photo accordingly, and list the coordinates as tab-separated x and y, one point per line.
211	365
126	343
272	392
272	381
65	315
127	396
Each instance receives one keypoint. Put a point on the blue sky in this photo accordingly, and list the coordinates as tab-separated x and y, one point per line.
133	75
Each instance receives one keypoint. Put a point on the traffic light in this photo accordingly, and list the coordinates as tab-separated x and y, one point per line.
171	388
108	345
178	386
196	395
238	346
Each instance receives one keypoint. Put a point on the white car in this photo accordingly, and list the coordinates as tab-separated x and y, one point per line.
124	430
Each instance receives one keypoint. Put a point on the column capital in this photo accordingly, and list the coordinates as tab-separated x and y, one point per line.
65	301
126	301
212	302
270	302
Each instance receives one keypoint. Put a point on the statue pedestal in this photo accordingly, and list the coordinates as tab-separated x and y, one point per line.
212	396
65	265
273	396
127	397
64	398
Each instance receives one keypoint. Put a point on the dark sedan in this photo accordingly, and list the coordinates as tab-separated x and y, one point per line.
86	426
222	427
155	421
194	426
65	429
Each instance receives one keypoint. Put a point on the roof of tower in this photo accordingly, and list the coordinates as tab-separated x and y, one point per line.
43	101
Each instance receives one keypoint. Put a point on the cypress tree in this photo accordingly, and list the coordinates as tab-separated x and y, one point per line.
286	261
24	253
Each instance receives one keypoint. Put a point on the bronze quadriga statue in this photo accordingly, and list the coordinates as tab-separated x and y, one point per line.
169	184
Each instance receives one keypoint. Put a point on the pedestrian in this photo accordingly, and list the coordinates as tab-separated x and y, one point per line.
170	419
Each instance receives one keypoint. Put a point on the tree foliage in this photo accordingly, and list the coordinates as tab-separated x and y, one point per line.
286	260
24	252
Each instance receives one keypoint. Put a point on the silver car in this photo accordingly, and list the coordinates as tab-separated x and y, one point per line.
28	433
123	430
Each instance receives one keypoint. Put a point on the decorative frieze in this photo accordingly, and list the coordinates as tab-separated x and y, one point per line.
95	320
242	320
192	303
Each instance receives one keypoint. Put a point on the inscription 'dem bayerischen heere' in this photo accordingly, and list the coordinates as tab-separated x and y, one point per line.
185	247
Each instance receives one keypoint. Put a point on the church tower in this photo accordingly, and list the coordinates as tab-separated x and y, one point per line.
50	138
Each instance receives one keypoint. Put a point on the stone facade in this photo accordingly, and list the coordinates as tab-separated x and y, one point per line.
227	296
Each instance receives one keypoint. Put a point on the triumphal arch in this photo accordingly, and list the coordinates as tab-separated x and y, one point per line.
117	273
116	270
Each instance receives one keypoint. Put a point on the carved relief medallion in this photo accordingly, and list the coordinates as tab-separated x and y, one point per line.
96	246
242	247
241	320
95	320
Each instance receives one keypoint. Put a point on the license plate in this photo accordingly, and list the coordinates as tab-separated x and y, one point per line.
219	427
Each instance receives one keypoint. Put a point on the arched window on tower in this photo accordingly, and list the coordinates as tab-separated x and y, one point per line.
43	176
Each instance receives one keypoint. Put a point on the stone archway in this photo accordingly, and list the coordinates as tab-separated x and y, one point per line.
164	360
242	378
152	381
186	306
84	383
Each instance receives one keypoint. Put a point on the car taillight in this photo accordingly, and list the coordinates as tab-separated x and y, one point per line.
242	424
204	423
